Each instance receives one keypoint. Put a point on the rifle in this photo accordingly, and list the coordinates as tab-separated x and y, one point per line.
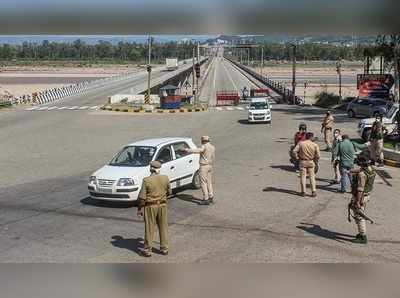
356	212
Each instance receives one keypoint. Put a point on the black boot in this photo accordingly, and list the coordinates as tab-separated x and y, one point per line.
362	239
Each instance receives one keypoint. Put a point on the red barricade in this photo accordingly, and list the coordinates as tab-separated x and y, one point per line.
227	98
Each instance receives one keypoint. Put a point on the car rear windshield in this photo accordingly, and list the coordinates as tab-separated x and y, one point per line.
133	156
259	105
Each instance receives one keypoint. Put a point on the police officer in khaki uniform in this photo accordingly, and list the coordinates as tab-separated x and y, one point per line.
308	154
362	185
327	127
207	157
376	139
153	206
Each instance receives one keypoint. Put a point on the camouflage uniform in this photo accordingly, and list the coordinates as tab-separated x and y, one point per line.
363	181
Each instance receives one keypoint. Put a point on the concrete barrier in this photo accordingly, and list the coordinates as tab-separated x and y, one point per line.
133	98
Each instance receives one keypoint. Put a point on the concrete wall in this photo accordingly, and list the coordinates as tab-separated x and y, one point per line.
133	98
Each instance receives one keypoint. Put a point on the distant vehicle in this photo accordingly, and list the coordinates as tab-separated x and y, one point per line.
367	107
172	63
259	110
121	179
389	123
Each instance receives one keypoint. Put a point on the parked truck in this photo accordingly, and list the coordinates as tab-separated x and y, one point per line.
172	63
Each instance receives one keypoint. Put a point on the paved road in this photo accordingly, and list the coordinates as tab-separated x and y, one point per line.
45	215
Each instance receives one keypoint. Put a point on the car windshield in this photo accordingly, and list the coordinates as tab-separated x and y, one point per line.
391	112
259	105
133	156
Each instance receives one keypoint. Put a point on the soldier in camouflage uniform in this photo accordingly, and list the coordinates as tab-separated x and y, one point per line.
362	185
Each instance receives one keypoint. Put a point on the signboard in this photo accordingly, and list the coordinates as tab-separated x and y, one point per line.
374	85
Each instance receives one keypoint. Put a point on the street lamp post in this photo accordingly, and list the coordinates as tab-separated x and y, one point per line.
262	61
147	97
396	71
339	71
294	75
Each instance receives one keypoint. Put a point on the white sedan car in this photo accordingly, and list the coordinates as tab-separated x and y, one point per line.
121	179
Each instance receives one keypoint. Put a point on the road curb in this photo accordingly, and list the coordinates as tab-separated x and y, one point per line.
392	163
155	111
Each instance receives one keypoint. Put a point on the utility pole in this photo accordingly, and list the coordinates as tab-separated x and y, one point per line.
339	71
396	71
241	56
248	57
294	75
193	76
197	79
147	97
262	61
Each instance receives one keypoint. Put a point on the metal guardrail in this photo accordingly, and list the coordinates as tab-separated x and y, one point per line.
287	94
51	95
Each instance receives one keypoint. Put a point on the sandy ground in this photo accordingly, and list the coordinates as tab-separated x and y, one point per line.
22	80
319	78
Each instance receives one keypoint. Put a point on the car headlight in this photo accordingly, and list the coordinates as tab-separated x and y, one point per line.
92	179
125	182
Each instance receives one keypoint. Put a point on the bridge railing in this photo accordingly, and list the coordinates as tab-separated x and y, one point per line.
287	94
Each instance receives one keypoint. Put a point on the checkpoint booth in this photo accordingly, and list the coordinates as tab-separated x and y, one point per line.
168	97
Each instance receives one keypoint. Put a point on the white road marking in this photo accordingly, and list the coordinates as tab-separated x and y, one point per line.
73	108
94	107
219	109
83	108
239	108
230	109
52	108
32	109
62	108
42	109
230	77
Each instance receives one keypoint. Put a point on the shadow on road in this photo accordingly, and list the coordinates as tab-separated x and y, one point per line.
244	122
107	204
132	244
324	233
281	190
188	198
288	168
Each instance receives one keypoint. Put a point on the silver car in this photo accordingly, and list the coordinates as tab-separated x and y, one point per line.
367	107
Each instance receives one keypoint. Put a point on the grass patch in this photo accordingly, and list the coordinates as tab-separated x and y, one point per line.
327	100
4	104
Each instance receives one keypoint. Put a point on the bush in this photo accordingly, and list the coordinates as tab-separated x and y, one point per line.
327	100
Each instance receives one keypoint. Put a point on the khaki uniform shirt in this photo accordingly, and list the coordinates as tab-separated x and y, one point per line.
307	150
154	188
207	154
328	122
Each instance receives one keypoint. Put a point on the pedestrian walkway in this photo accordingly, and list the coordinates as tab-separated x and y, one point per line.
63	108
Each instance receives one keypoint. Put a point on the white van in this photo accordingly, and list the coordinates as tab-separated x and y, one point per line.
259	110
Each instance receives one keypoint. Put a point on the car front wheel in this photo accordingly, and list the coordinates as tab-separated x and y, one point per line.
196	180
351	113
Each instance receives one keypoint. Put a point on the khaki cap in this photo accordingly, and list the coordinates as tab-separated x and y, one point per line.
155	164
205	138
